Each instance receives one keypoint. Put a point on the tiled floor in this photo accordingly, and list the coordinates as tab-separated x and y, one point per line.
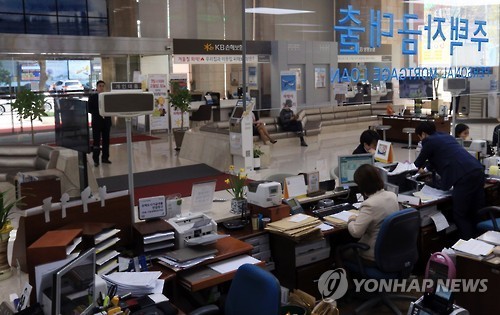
158	154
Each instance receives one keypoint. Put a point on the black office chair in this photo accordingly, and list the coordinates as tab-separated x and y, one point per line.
204	113
493	221
357	99
395	255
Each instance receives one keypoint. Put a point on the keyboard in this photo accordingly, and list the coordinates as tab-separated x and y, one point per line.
323	212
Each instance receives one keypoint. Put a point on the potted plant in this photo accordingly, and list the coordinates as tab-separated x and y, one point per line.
180	99
30	105
6	206
257	153
237	182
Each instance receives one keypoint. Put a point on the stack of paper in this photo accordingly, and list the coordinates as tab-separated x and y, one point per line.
492	237
427	194
297	227
403	167
340	219
186	257
137	283
473	248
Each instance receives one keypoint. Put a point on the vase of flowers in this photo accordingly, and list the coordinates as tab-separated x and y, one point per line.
237	182
257	153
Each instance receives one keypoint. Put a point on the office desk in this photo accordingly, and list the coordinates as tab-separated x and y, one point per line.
477	302
228	247
397	124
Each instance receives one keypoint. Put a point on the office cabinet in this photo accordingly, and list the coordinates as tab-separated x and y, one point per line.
297	265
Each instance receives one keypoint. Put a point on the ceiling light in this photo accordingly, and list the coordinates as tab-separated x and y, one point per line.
455	3
275	11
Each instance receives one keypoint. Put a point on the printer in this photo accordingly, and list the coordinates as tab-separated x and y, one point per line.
476	146
194	229
264	194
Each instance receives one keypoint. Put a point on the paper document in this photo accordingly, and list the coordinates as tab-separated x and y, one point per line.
232	264
403	167
357	205
428	193
325	227
474	247
298	218
343	216
440	221
492	237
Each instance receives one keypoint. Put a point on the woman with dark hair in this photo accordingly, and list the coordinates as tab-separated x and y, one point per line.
378	204
462	131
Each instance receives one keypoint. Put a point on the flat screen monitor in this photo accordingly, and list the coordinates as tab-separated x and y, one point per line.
72	124
74	286
237	112
415	88
196	97
348	164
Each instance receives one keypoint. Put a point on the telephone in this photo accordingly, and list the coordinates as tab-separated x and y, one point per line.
294	205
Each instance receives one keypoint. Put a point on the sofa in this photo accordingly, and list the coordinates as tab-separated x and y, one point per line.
314	120
15	159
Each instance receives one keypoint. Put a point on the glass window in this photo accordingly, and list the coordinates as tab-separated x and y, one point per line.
97	8
11	23
13	6
98	27
41	24
71	7
73	25
40	7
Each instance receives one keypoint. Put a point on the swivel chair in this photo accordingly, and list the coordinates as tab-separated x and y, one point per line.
395	255
253	291
204	113
493	221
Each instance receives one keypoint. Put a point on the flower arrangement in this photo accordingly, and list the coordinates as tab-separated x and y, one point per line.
236	182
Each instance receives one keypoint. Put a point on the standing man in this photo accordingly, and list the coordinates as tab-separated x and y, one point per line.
101	127
457	168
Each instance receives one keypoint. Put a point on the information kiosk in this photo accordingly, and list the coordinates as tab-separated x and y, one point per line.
241	136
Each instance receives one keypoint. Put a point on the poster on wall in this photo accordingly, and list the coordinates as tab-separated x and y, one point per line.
298	77
175	114
319	77
288	89
252	76
79	70
158	85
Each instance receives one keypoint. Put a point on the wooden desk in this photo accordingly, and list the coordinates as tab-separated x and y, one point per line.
228	247
397	124
477	302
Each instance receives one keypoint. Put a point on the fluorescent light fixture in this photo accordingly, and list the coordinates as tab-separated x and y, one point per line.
275	11
455	3
312	31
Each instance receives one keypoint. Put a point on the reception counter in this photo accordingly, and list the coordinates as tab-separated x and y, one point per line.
397	123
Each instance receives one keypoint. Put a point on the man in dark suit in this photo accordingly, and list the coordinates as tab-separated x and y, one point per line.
367	142
457	168
101	127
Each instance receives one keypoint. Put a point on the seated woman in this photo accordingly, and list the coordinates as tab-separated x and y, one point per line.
367	142
462	131
259	128
378	204
290	122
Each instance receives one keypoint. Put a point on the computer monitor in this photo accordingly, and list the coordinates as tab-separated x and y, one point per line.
74	286
348	164
237	112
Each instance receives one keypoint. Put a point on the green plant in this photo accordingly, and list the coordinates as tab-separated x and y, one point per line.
30	105
236	182
257	152
5	207
180	99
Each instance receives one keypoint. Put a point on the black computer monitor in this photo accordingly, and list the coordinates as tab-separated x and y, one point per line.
237	112
348	164
72	124
74	286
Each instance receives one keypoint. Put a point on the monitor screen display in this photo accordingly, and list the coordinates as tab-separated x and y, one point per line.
348	164
237	112
72	124
415	88
74	286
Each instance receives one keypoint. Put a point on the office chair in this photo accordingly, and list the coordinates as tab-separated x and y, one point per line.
395	255
253	291
493	221
204	113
